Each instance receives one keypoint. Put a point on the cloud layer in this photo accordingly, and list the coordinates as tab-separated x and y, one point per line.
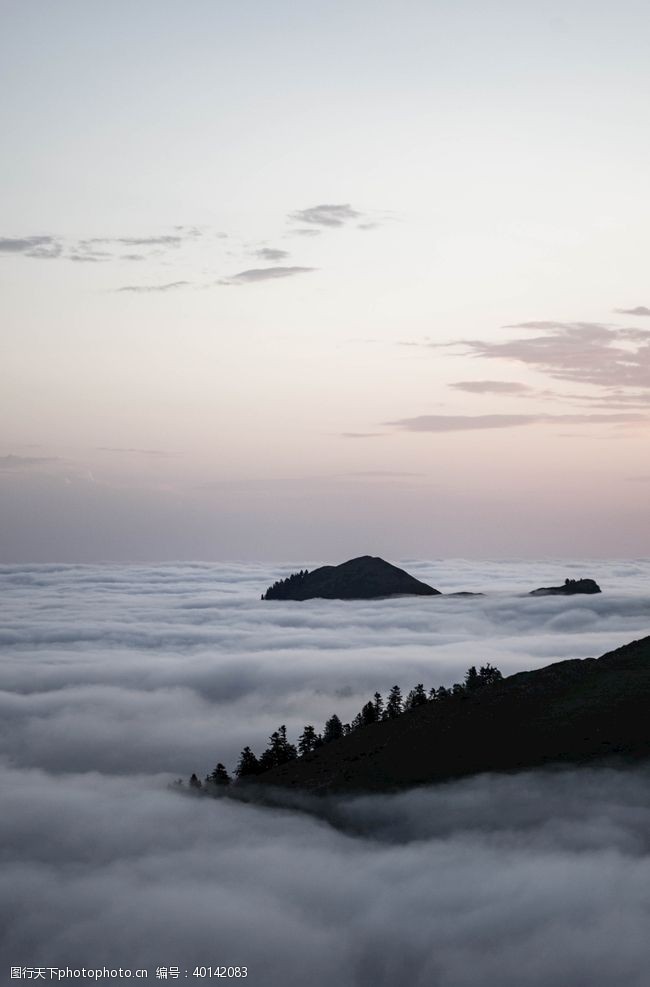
116	678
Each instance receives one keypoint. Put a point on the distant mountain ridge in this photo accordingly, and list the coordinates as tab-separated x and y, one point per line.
574	711
365	578
369	577
569	588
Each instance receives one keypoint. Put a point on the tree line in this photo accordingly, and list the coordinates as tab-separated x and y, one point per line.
283	589
280	750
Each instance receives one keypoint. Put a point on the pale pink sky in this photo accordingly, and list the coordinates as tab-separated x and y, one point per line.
325	282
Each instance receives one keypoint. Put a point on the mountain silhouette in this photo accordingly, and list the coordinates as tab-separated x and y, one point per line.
568	588
365	578
576	711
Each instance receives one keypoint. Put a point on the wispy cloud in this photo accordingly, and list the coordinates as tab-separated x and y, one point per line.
32	246
582	352
362	435
96	258
465	423
167	240
132	450
256	274
89	249
171	286
639	310
491	387
12	462
271	253
382	473
326	215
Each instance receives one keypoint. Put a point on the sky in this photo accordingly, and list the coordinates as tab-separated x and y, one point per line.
311	281
116	679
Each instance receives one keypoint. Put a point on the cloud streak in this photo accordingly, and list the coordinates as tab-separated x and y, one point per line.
170	286
257	274
332	215
132	450
362	435
32	246
639	310
581	352
491	387
271	253
12	462
465	423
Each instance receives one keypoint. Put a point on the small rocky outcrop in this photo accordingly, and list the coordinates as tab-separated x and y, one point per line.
365	578
569	588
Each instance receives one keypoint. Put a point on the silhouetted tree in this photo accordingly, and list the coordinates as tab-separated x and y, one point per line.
416	697
357	723
195	782
457	690
307	741
279	750
442	693
267	759
472	681
284	589
333	729
219	776
488	675
378	703
368	714
248	764
394	704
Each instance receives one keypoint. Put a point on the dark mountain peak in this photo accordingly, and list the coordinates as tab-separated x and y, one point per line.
568	588
575	711
367	577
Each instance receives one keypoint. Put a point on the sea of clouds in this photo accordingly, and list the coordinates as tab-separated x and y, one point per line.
114	679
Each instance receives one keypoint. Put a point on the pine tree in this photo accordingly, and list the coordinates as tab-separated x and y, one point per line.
287	750
379	706
279	750
195	782
248	764
368	714
394	706
307	741
416	697
267	760
333	729
219	776
472	680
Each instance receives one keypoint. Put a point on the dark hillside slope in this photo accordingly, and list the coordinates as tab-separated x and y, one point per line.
572	711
